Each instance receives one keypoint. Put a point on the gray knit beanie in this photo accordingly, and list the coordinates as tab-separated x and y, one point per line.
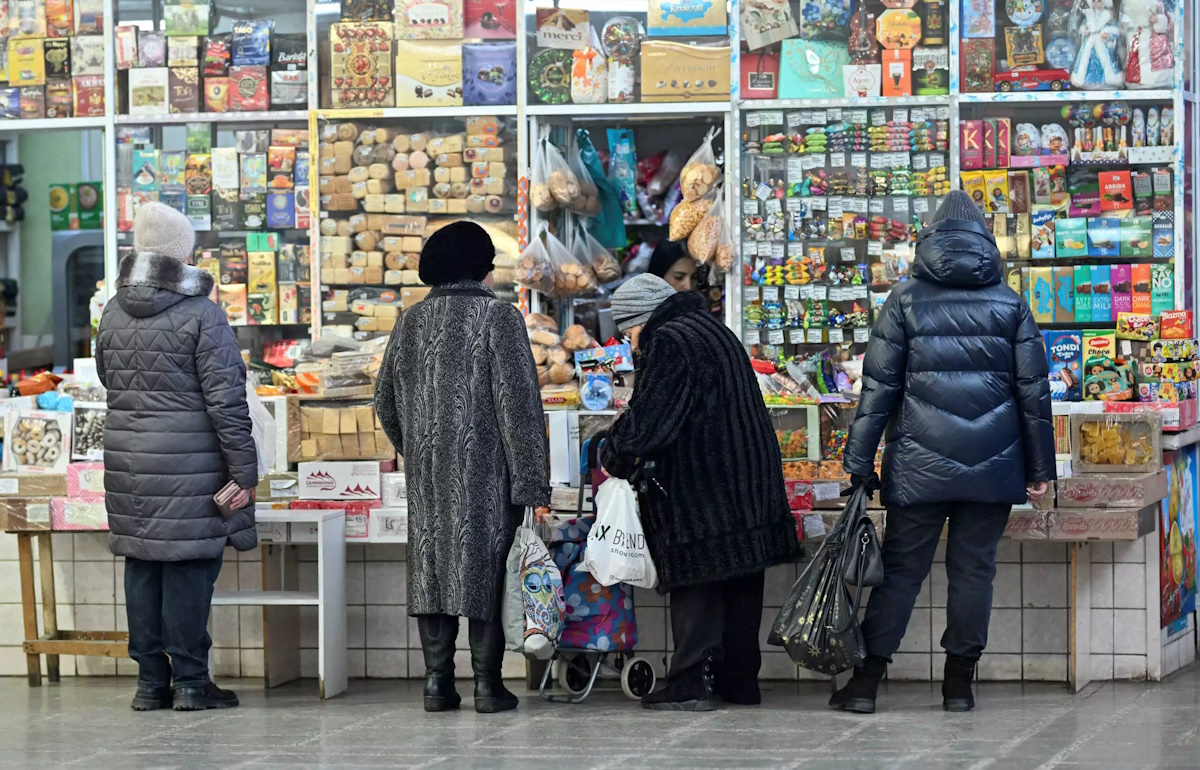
957	205
160	229
637	298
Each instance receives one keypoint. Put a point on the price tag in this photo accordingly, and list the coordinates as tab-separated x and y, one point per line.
821	116
777	255
750	294
920	163
920	206
858	159
797	204
837	160
806	291
795	249
937	160
900	206
878	118
857	205
762	191
837	335
943	112
835	208
834	115
796	336
749	247
861	334
819	203
772	206
751	337
859	292
858	116
819	291
874	248
848	254
775	337
836	294
791	292
918	115
771	118
900	115
875	206
764	250
793	119
881	160
814	336
750	207
900	159
795	169
753	120
814	161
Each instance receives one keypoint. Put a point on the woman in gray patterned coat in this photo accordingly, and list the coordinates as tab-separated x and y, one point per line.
458	396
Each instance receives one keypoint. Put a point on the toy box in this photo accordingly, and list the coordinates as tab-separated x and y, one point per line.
1064	355
1071	238
1083	293
1104	237
897	72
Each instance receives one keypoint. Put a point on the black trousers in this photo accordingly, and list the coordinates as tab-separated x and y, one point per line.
722	619
909	544
167	605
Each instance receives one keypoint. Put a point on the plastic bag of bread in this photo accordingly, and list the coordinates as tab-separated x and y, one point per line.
700	175
540	353
535	270
706	236
570	277
560	179
604	264
581	253
561	374
577	339
686	216
558	355
542	331
588	201
539	189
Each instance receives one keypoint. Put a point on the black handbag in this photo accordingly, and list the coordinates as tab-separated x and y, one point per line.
864	562
818	624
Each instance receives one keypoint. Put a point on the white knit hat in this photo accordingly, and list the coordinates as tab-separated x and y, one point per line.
160	229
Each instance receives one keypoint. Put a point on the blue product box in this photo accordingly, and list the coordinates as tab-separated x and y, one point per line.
1101	294
1042	222
1064	355
1163	234
281	209
1104	237
10	102
300	169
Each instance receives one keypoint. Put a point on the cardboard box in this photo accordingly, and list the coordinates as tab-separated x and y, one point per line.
970	144
1040	297
25	514
1027	524
1064	294
1102	310
37	442
1104	490
33	485
897	72
1102	523
67	514
85	481
667	66
1139	432
1064	355
339	480
395	490
278	486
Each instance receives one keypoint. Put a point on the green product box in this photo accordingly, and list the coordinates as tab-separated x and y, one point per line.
1071	238
1136	237
1162	288
89	198
64	207
1083	293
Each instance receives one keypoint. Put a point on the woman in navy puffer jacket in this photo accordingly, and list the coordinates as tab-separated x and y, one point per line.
955	380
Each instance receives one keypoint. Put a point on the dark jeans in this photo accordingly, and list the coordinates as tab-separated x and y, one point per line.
909	543
167	604
723	619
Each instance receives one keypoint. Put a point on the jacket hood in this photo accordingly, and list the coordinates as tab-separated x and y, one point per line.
957	252
148	284
672	307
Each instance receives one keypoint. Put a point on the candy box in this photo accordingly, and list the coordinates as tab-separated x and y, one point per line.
1116	443
1071	238
760	75
1122	289
971	144
1104	237
667	66
1140	275
57	54
1162	288
361	64
1136	239
1064	356
897	72
1108	379
37	442
686	18
859	80
1167	350
1116	191
978	66
1175	324
1136	326
429	19
431	74
979	20
489	19
1112	490
931	72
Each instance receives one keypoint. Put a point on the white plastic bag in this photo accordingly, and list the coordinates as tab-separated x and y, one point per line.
263	430
616	548
533	607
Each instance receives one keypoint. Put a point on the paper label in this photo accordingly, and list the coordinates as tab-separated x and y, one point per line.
37	513
861	334
9	486
796	336
836	335
826	490
815	335
775	337
848	254
750	293
791	292
770	294
750	337
920	206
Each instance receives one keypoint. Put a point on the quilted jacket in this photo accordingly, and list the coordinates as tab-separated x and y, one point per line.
719	508
955	380
178	428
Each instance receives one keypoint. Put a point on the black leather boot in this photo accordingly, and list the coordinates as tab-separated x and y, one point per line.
205	696
859	693
956	684
688	690
487	659
438	634
152	698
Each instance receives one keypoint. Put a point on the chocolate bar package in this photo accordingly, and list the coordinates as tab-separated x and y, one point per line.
87	55
248	88
59	98
152	49
281	209
57	54
289	52
489	73
252	212
252	42
225	209
217	53
183	95
183	51
1064	355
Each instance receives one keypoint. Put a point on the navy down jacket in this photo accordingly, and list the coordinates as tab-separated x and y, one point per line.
955	380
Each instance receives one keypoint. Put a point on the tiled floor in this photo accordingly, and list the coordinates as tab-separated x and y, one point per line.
87	723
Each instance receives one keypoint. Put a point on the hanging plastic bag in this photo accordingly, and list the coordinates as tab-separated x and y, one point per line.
622	167
604	264
665	176
533	608
560	179
570	277
579	251
706	236
535	270
539	189
589	196
686	216
723	258
608	225
616	548
262	428
589	73
700	174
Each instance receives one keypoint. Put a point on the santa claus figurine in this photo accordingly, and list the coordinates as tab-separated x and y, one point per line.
1148	34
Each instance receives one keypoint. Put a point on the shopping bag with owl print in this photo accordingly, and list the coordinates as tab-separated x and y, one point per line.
533	605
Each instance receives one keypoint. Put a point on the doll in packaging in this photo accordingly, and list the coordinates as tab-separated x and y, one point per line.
1096	64
1148	36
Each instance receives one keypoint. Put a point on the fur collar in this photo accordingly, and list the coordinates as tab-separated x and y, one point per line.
674	306
159	272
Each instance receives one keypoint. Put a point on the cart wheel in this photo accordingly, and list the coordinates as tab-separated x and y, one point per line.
637	678
574	674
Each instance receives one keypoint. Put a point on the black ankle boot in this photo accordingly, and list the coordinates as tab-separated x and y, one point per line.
438	634
205	696
859	693
688	690
956	684
487	660
152	698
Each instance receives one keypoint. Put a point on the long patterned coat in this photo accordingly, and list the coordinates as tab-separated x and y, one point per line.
458	395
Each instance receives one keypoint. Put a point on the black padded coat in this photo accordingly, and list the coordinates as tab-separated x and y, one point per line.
697	410
955	380
178	428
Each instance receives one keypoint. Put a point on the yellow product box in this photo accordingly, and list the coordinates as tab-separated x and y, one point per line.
262	271
677	72
26	62
429	74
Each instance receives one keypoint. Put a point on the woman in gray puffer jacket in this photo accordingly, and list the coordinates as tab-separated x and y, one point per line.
178	430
